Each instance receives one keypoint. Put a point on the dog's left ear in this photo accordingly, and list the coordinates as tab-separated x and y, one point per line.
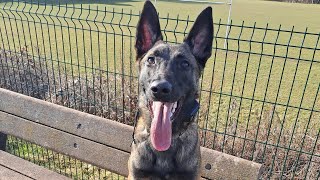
200	37
148	29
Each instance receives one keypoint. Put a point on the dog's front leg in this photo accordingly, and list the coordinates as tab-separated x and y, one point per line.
130	176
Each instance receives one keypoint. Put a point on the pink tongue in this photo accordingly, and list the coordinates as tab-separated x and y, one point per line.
161	130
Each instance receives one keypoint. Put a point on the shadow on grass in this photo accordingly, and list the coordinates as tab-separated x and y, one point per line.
57	2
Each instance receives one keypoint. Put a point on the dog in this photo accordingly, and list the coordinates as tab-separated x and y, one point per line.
166	143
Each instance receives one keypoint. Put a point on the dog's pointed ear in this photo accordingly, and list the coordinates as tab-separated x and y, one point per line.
148	29
200	36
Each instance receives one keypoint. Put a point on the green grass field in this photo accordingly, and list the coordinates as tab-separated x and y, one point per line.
283	81
250	11
60	163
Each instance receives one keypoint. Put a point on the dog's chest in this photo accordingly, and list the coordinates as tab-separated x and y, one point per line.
181	157
164	163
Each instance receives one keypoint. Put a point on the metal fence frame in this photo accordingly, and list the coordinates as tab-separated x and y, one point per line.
54	73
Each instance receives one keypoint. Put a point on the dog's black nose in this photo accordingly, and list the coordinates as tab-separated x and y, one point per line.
161	88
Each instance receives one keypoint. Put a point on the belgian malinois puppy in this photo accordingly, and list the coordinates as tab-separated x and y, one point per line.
166	144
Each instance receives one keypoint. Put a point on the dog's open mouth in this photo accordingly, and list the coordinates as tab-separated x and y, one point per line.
163	114
174	108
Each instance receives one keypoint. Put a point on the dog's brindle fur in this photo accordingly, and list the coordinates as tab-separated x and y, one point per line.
180	66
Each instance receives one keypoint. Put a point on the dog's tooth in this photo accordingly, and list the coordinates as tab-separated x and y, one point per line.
175	105
145	131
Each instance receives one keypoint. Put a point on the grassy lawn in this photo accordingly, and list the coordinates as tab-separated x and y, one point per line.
250	11
258	91
261	11
60	163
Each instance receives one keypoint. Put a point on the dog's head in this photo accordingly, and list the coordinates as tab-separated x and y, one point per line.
169	74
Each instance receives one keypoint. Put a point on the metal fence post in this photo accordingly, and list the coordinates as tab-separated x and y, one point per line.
3	141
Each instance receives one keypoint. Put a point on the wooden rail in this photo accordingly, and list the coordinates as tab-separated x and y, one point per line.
101	142
14	168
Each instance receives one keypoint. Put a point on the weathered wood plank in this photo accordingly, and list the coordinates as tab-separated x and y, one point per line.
218	165
79	123
26	169
112	134
8	174
59	141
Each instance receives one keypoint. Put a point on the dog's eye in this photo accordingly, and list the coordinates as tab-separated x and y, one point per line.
151	60
185	64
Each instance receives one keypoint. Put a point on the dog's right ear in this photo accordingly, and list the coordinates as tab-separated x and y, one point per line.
200	36
148	29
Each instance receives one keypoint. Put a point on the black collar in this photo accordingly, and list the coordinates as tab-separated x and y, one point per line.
193	113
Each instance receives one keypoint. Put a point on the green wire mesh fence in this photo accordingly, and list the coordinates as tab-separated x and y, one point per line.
259	96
